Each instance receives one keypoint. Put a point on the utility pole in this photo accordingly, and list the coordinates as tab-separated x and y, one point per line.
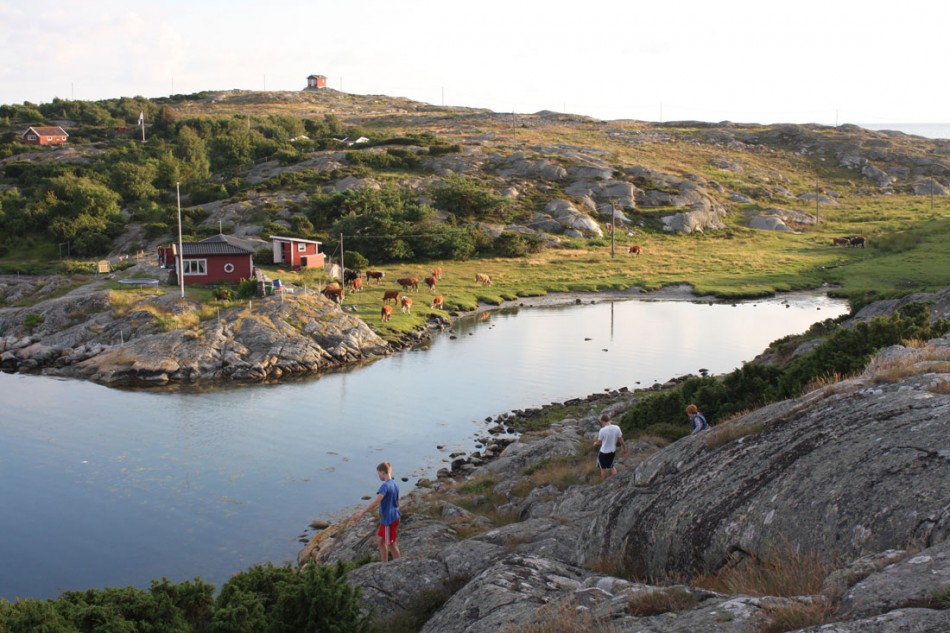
931	187
816	202
181	254
613	227
342	264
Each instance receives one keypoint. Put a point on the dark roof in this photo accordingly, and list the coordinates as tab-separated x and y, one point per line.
217	245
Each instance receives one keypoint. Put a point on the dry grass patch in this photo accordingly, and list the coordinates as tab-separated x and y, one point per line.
792	617
563	617
921	359
723	434
942	388
786	571
560	472
662	600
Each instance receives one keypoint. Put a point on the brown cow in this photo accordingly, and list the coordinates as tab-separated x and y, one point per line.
430	281
482	278
375	274
437	272
333	294
408	282
390	294
858	240
636	249
840	241
356	285
438	303
407	305
386	313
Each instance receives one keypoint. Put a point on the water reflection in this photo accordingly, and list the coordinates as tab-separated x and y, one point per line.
108	487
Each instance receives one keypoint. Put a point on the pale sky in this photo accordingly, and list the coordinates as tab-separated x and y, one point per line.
820	61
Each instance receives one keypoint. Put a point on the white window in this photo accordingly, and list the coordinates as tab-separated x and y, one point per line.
31	137
301	247
195	267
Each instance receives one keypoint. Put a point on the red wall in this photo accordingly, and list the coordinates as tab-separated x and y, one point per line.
243	269
291	255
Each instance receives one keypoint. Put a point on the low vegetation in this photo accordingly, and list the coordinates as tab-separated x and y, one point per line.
843	351
263	598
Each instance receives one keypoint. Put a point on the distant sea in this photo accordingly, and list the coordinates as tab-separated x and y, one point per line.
929	130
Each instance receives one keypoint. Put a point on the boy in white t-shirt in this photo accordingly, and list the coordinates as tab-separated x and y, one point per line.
607	439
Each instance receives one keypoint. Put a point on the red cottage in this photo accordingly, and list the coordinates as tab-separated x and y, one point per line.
216	259
42	135
316	81
293	252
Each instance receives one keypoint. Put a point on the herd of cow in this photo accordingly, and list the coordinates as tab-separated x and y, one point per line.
849	240
356	279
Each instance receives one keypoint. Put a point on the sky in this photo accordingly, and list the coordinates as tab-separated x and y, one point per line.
810	61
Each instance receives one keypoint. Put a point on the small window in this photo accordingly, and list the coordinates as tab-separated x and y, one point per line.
301	247
195	267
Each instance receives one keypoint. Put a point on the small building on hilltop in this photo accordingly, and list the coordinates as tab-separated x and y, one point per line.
294	251
213	260
316	81
44	135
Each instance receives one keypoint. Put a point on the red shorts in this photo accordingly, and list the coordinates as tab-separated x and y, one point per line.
392	528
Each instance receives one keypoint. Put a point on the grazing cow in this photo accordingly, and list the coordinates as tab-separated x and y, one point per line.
438	303
840	241
859	240
636	249
482	278
437	272
386	313
390	294
356	285
407	305
430	281
377	275
332	286
333	294
350	275
408	282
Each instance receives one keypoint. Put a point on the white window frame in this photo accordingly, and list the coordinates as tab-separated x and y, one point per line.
194	267
32	137
301	247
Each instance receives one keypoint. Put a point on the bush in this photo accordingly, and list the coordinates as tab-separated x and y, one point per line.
263	598
517	244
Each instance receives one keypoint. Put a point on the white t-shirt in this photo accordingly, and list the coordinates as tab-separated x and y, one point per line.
608	436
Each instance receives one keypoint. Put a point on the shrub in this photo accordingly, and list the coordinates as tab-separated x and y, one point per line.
32	321
223	294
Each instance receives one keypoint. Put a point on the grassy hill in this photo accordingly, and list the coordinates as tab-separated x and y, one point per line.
526	197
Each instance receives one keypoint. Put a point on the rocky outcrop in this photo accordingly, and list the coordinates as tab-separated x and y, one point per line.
855	472
164	340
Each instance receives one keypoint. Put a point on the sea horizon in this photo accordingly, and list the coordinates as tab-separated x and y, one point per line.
927	130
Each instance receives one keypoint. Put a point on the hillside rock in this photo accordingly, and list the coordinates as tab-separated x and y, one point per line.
862	443
80	335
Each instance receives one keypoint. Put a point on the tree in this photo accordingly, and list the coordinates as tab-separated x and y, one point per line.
467	197
192	155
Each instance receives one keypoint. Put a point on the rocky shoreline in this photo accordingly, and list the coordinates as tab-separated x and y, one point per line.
853	474
514	539
167	342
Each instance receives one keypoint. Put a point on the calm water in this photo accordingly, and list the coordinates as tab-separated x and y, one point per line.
928	130
102	487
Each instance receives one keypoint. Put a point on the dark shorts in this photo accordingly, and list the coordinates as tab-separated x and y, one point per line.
605	461
392	528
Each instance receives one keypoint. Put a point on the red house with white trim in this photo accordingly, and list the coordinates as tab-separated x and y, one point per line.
216	259
294	251
44	135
